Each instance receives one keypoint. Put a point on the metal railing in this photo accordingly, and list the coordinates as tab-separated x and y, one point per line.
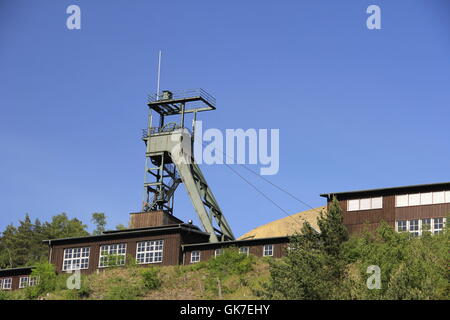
189	93
155	130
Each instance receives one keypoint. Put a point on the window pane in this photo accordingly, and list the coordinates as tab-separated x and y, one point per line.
353	205
401	201
426	198
365	204
447	196
414	199
438	197
377	203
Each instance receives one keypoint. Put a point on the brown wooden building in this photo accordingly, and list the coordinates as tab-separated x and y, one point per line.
262	247
17	278
160	245
407	208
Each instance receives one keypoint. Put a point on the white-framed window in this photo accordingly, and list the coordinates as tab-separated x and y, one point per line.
426	224
112	255
217	252
401	200
414	199
7	284
33	281
24	282
414	227
417	226
76	258
195	256
426	198
439	197
438	225
365	204
377	203
447	196
268	250
402	226
149	251
244	250
353	205
422	199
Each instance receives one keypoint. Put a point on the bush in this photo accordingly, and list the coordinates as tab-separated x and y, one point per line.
123	289
230	262
47	280
151	278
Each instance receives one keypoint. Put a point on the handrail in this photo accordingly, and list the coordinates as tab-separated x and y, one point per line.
182	94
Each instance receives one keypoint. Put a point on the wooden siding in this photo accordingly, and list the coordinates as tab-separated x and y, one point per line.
14	275
358	221
172	254
152	219
208	251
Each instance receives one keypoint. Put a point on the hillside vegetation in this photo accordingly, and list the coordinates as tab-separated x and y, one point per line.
229	276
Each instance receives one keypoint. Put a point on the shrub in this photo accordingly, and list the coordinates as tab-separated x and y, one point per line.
151	278
47	280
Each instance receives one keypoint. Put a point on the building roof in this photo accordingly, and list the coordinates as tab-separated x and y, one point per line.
15	271
286	226
390	189
119	233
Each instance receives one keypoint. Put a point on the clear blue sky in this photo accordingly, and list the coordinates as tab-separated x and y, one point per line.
356	108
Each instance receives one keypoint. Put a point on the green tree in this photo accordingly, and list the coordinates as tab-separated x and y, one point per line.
314	267
120	227
99	219
23	246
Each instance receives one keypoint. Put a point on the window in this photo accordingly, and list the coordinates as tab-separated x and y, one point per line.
24	281
195	256
76	258
377	203
414	199
426	198
447	196
401	201
244	250
402	226
365	204
438	225
439	197
268	250
149	251
7	284
112	255
34	281
426	225
414	227
217	252
422	199
353	205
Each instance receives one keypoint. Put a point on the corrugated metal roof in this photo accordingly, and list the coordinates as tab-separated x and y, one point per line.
113	233
387	189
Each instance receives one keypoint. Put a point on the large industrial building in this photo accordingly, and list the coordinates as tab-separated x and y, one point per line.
156	237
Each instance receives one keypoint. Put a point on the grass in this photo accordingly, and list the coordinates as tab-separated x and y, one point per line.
230	276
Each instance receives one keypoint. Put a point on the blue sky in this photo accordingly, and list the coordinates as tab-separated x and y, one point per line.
356	108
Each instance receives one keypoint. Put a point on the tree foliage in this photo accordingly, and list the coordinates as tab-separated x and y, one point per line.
22	245
329	265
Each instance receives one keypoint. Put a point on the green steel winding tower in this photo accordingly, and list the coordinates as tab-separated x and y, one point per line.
170	160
